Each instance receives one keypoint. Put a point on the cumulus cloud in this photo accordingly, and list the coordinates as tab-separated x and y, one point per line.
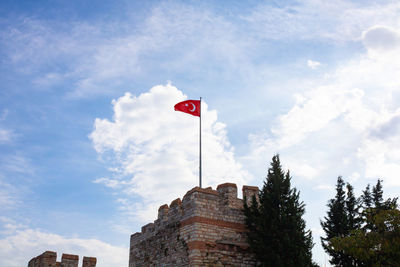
381	37
313	112
18	248
155	149
379	149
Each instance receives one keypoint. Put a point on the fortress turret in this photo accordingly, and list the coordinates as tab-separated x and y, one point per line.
205	228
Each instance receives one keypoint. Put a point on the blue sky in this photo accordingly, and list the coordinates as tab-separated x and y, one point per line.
90	146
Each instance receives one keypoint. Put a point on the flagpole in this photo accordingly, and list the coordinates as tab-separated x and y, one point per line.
200	149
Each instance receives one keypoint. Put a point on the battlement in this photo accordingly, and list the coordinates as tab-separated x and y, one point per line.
49	259
205	221
204	202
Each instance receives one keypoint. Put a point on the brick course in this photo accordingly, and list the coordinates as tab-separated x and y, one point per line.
206	228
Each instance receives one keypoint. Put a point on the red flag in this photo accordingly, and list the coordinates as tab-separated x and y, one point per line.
191	107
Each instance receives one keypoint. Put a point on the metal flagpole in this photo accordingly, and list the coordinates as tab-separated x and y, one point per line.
200	149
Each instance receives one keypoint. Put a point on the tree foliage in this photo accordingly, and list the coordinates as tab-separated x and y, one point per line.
380	247
363	232
277	233
341	219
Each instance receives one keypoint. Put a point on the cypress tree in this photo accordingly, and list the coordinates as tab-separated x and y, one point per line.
342	219
335	224
277	233
377	198
376	243
366	198
354	220
352	209
377	195
373	203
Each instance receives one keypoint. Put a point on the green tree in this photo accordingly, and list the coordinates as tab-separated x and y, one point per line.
352	209
379	247
373	203
366	198
377	195
277	233
342	218
367	238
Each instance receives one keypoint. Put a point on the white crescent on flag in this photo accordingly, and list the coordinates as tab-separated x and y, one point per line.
194	107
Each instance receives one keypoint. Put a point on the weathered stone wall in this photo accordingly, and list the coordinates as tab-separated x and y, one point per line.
206	228
68	260
89	262
49	259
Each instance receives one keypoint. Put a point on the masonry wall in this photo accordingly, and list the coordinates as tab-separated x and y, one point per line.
49	259
206	228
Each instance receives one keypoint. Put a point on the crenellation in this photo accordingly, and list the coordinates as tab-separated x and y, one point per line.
49	259
46	259
249	192
163	212
148	228
206	228
175	210
68	260
89	262
177	203
227	190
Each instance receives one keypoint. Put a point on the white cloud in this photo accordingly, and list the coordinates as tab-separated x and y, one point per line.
156	149
313	64
325	187
5	135
303	170
354	177
8	195
97	58
379	150
17	249
9	226
15	163
100	57
334	20
381	38
315	111
14	167
347	123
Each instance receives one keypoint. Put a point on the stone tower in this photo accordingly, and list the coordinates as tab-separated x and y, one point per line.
206	228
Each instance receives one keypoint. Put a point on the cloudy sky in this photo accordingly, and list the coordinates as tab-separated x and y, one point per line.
90	146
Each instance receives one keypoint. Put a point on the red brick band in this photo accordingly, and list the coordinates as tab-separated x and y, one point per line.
197	219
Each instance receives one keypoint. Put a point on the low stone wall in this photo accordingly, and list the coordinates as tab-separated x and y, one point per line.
49	259
206	228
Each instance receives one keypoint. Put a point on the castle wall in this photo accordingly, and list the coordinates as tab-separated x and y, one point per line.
206	228
68	260
89	262
49	259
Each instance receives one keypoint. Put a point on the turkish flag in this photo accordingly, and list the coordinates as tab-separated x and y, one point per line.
191	107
